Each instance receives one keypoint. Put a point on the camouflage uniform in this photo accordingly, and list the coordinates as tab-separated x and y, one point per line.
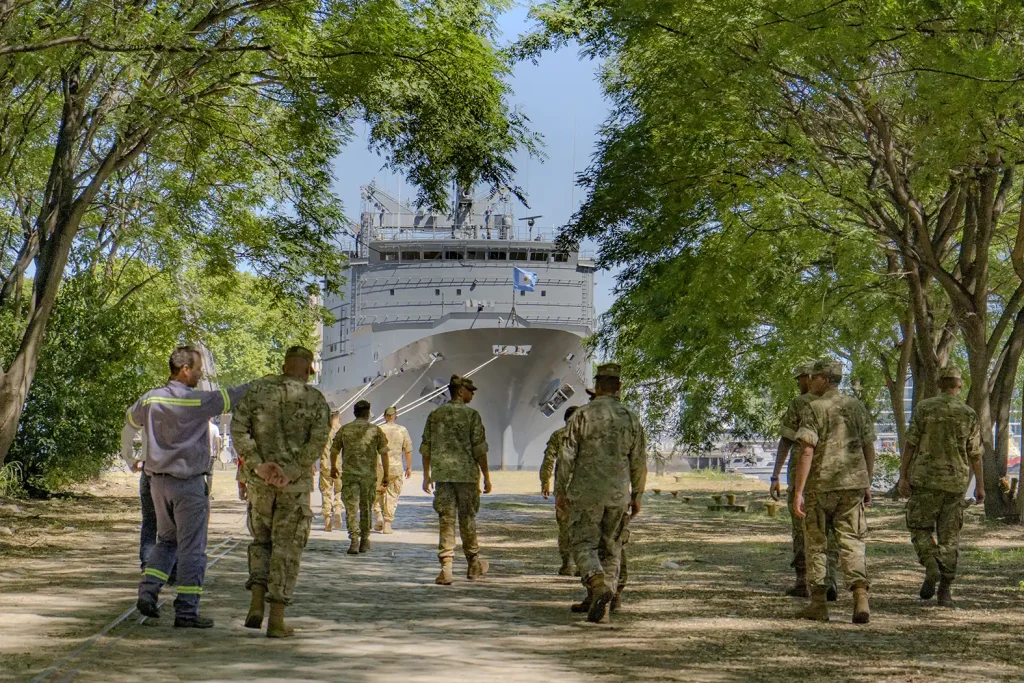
603	466
398	443
454	440
790	425
330	487
361	444
944	431
281	420
551	452
837	427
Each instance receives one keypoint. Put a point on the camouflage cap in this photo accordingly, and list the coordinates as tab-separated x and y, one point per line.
805	368
609	370
828	367
950	372
457	381
362	405
299	352
390	410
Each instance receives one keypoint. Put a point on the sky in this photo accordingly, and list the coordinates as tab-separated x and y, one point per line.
562	98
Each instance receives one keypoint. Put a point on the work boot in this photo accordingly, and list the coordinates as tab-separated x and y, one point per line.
799	589
600	599
616	603
477	568
861	611
254	619
584	606
931	577
387	528
831	592
353	546
148	608
567	568
364	544
378	525
276	627
337	520
945	596
445	577
329	524
193	622
817	610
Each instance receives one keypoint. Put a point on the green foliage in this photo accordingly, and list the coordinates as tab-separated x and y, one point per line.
11	478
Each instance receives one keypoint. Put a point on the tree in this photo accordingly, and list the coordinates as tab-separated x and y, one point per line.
228	114
895	123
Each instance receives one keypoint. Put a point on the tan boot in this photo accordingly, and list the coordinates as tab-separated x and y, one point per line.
945	595
378	525
328	524
601	597
387	527
276	627
445	577
616	603
818	609
477	568
353	546
257	605
931	577
861	610
337	520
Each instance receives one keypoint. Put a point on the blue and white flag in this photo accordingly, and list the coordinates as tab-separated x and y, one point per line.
523	280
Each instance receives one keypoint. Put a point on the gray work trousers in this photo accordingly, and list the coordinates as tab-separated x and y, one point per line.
182	514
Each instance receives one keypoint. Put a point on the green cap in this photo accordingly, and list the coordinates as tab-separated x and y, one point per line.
828	367
609	370
805	368
950	372
390	410
299	352
458	381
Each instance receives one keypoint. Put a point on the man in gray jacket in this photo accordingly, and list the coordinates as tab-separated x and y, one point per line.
175	421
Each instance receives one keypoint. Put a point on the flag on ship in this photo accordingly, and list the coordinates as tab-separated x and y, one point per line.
523	280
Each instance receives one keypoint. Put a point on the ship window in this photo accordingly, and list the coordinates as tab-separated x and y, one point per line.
543	292
539	256
389	256
478	255
437	292
453	255
392	292
431	256
560	258
458	292
522	292
497	256
410	256
517	256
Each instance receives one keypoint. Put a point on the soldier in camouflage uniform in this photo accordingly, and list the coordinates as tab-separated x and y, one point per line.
280	429
833	480
454	451
547	467
788	453
603	469
362	445
943	446
399	448
330	487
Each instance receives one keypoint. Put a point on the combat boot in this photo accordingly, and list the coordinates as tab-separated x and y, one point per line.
616	603
445	577
945	596
818	609
353	546
601	597
328	524
931	577
364	544
276	627
257	605
567	568
799	589
477	568
378	525
861	610
584	606
337	520
831	592
387	528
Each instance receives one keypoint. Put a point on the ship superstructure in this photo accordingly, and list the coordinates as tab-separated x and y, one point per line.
430	295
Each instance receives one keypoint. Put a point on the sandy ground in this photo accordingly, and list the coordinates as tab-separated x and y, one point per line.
716	615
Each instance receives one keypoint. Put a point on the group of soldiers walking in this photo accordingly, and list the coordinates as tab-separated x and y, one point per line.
828	440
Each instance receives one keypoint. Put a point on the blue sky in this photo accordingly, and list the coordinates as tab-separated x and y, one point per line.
562	98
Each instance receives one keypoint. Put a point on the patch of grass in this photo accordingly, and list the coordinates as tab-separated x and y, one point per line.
994	556
11	480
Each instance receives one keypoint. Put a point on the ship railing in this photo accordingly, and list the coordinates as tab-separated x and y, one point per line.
480	232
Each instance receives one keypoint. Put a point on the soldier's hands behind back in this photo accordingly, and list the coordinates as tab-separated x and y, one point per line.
775	489
271	473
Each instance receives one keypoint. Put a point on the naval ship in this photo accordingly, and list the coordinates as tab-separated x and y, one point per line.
430	295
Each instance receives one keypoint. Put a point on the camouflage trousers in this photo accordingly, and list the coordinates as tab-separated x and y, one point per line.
387	502
799	562
357	495
279	522
562	517
844	512
330	496
932	513
456	500
596	533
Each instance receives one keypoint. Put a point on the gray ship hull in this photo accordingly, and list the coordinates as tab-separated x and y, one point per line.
512	389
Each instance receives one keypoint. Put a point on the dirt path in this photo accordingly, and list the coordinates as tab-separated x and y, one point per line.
717	617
